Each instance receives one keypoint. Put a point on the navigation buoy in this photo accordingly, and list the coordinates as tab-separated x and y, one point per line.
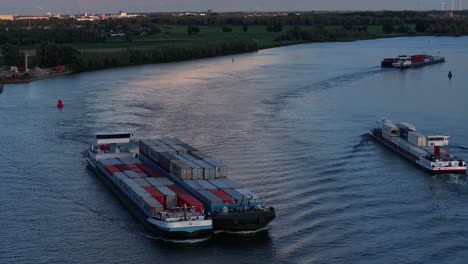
60	103
450	75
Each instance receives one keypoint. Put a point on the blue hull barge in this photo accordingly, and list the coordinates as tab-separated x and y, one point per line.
145	192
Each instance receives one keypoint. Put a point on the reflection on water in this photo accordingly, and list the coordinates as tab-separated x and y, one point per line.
291	123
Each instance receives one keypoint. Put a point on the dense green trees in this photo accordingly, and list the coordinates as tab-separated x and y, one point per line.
49	55
18	36
226	28
192	30
87	61
274	28
388	28
12	55
321	34
72	31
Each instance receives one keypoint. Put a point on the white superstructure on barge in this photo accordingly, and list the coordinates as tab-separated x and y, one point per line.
430	152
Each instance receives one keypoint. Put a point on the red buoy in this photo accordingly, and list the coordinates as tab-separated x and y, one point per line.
60	103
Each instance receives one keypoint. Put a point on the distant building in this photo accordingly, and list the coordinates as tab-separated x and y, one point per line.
7	17
117	34
31	17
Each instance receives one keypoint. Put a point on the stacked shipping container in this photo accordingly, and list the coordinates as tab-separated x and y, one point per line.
148	187
201	174
182	160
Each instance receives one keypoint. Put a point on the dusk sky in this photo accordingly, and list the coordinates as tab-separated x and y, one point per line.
98	6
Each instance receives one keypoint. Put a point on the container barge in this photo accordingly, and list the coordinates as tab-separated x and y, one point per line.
405	61
146	192
428	152
232	207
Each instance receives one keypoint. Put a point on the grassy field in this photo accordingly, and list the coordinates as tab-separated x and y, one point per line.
177	36
174	35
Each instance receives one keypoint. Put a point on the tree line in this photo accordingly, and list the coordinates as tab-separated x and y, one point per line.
71	31
44	35
87	61
321	34
49	55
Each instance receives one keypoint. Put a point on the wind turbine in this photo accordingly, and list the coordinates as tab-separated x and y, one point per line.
442	3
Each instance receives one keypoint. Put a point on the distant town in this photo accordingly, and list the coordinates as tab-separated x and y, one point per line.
33	47
122	14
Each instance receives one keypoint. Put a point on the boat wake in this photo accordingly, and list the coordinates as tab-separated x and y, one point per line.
362	143
266	228
461	180
278	101
454	179
177	241
459	147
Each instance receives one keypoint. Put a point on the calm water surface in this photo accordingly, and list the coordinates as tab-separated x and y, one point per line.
291	123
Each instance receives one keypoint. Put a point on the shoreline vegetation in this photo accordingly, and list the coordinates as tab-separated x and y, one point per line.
79	46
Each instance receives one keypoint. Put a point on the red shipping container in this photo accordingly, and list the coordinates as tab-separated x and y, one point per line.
156	194
111	169
135	168
150	171
178	190
223	196
189	201
122	167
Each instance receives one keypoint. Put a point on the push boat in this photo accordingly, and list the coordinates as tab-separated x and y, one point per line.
411	61
146	193
429	152
232	207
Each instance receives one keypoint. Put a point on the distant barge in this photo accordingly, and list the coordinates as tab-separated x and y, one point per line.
424	151
405	61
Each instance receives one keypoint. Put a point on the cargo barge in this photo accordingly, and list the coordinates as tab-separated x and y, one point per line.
428	152
232	207
147	193
405	61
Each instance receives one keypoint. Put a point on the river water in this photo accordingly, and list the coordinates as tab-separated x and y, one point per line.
290	122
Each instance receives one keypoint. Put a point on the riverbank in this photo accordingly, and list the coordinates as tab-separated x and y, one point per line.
160	49
35	78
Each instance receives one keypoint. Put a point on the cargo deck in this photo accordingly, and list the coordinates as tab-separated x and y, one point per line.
403	139
404	61
232	207
145	192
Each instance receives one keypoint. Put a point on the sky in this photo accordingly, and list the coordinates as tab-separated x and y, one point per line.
108	6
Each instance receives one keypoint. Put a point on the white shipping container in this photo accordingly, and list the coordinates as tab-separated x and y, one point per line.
407	125
168	141
220	168
119	176
180	150
181	169
152	206
389	128
417	139
142	182
156	182
144	145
